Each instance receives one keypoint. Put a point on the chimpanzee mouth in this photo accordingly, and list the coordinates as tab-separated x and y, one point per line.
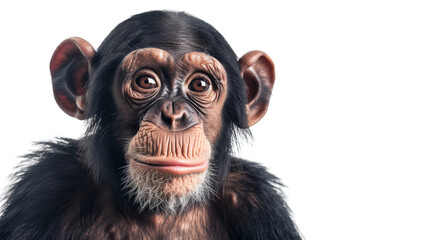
178	153
171	165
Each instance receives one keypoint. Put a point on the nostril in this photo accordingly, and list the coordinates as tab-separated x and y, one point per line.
167	105
173	116
165	118
172	119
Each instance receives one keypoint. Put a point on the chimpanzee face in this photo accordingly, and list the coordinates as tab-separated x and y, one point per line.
177	103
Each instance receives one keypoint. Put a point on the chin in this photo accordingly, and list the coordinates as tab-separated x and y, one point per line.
165	192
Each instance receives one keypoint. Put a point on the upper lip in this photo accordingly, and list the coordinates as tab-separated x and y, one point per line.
160	161
171	129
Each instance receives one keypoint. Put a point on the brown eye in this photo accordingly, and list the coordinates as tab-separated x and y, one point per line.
199	85
146	82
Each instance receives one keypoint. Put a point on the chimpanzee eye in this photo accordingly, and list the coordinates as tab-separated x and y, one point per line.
146	82
199	85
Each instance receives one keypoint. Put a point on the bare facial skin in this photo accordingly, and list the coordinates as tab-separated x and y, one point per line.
176	152
169	156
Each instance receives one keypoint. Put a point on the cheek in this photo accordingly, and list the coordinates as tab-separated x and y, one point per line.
125	123
213	126
213	122
126	120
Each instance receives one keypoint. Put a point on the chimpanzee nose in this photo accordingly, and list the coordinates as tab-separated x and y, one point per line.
173	115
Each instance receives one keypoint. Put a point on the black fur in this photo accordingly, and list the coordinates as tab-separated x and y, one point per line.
71	189
56	198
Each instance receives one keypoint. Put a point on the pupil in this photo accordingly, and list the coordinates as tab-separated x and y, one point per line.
201	84
149	82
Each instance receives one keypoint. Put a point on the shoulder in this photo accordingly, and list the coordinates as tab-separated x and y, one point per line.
55	165
255	204
252	185
41	189
251	172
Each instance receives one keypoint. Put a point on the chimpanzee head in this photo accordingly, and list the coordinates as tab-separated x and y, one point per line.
164	96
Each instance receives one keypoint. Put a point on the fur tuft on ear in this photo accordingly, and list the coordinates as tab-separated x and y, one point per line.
257	70
70	69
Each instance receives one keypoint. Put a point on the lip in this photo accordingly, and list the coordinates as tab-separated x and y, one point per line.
171	165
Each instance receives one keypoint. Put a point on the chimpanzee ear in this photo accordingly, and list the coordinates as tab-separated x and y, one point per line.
257	70
70	70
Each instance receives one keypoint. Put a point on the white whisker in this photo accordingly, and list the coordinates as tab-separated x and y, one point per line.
149	188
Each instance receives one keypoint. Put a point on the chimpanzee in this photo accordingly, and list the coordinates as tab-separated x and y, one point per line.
165	97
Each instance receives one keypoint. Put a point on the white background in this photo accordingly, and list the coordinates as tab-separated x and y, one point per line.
348	126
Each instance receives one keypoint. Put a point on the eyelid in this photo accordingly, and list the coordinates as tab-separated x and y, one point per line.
145	71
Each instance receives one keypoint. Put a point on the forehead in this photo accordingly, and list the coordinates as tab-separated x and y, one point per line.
159	58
